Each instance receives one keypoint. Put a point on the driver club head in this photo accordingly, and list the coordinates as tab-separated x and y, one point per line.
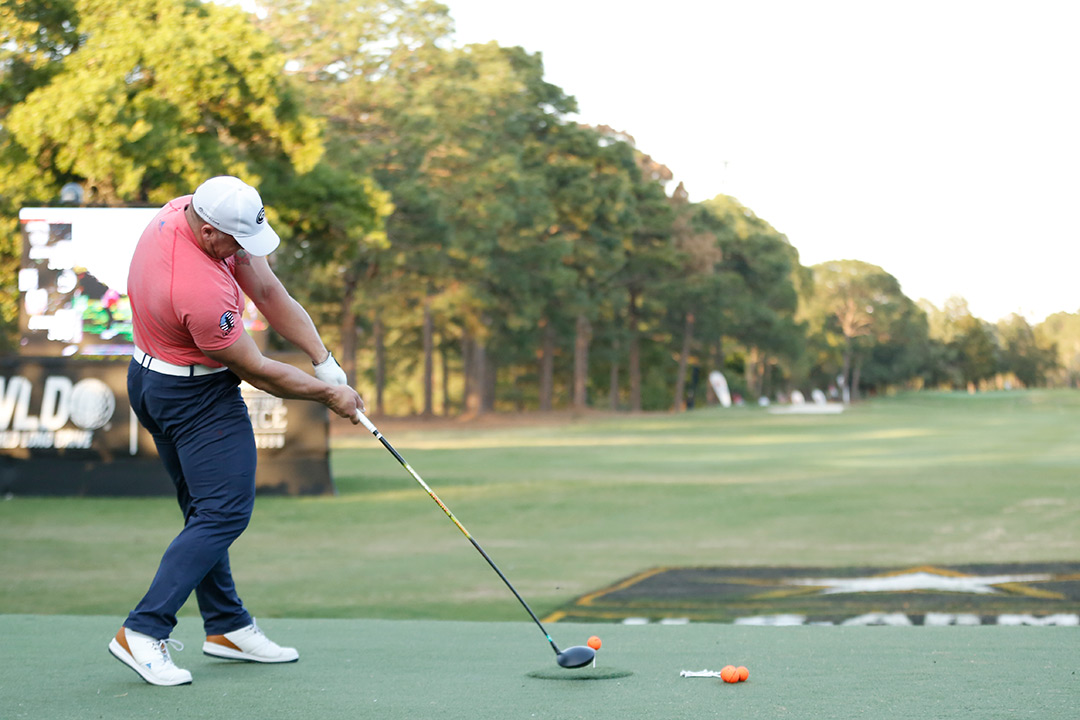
575	657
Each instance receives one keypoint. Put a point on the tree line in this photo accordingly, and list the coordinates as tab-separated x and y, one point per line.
462	243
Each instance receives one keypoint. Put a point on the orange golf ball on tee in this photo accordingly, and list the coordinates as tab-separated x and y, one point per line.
594	642
743	673
729	674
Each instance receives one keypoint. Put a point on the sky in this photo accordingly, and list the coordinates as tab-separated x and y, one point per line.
937	140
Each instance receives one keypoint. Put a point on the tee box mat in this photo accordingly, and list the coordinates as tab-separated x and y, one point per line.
985	594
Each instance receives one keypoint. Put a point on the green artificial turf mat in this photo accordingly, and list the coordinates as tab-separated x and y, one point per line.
58	668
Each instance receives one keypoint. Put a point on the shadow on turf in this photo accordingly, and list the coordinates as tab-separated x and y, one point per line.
589	673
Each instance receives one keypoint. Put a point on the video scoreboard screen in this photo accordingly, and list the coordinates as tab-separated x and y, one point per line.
73	281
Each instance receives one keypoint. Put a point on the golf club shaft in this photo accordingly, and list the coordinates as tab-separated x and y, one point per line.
416	476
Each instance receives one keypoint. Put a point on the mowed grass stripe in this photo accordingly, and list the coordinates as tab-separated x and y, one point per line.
565	509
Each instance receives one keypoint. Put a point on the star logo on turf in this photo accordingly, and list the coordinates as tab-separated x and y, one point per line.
917	580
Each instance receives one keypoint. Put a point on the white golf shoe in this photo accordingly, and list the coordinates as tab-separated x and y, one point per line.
248	643
149	657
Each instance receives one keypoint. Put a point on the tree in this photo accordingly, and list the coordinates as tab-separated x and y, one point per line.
452	134
976	350
1022	353
1062	330
759	276
964	348
589	184
494	112
649	258
332	229
360	65
944	324
200	93
902	355
943	359
855	305
694	292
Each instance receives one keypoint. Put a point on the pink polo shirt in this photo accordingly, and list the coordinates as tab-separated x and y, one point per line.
183	301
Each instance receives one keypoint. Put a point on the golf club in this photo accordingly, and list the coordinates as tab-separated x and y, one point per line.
573	657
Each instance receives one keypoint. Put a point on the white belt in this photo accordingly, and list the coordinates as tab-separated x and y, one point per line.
160	366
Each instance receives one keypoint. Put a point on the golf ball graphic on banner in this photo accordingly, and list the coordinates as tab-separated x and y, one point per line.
92	404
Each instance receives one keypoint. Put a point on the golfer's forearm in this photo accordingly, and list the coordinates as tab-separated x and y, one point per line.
284	381
290	320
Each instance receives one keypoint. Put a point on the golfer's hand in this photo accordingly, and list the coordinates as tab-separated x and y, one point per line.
330	372
346	402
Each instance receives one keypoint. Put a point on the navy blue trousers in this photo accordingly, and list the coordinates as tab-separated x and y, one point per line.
203	435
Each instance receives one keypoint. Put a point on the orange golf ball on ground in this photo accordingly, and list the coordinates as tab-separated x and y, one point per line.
729	674
594	643
743	673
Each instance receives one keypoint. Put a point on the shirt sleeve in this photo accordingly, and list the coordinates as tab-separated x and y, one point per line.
212	312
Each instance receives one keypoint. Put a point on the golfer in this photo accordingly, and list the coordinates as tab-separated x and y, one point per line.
192	267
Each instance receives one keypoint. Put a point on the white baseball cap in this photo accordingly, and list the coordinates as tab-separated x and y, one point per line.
235	208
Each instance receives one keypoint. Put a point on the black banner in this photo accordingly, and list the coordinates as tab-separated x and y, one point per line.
66	428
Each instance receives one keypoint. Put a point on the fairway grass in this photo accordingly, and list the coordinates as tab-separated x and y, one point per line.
565	508
412	670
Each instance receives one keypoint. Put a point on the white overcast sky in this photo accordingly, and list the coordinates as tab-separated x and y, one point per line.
939	140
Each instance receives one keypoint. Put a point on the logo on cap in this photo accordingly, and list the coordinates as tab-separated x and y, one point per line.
226	323
261	216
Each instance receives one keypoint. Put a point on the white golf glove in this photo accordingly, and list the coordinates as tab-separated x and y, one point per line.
330	372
